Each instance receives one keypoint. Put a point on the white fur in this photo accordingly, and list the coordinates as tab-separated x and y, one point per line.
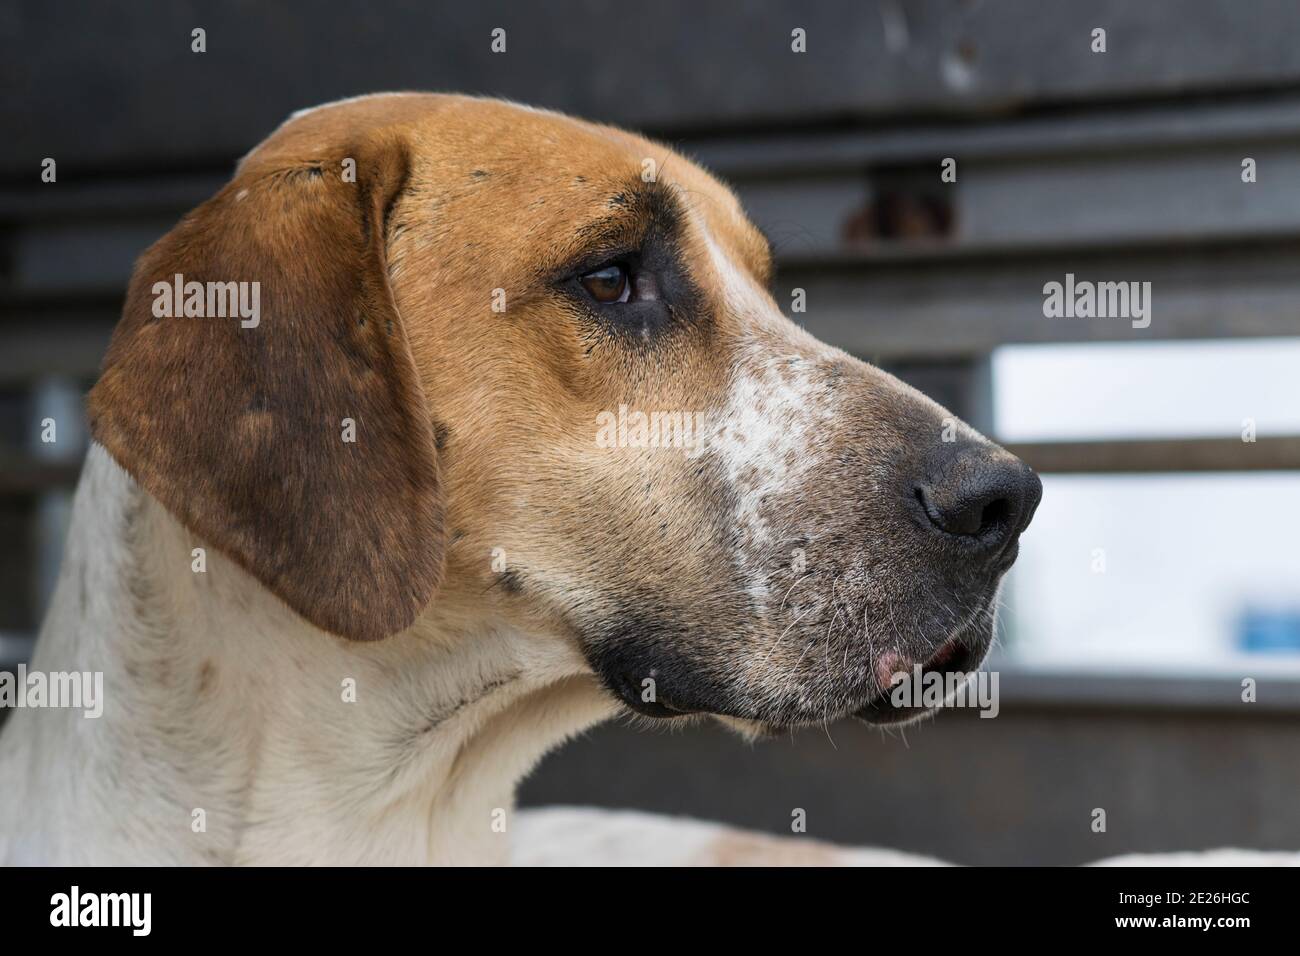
284	769
1222	857
778	416
576	836
584	836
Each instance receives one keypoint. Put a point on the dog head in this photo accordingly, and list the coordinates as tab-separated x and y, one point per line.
527	367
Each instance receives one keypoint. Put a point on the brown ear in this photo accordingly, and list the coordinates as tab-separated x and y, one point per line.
239	428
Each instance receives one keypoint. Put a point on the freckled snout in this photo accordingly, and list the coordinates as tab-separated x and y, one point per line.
979	496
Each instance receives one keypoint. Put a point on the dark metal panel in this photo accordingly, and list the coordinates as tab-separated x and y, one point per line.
79	257
57	339
678	66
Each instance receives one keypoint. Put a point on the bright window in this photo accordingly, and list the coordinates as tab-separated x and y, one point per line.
1187	573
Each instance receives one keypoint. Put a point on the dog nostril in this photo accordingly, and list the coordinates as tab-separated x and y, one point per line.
993	515
978	496
968	517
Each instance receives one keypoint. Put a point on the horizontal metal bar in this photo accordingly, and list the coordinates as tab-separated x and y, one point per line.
1266	453
973	305
1029	204
1088	131
123	197
25	476
1025	687
59	339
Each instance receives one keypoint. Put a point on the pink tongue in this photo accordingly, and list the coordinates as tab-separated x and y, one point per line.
891	663
887	665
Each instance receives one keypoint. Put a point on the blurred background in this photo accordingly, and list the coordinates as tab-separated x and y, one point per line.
1162	569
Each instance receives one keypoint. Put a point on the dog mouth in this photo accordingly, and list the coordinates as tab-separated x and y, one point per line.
950	667
642	665
956	660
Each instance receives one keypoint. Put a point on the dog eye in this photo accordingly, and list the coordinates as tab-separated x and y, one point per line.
608	284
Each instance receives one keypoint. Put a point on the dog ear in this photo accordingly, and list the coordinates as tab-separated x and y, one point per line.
293	437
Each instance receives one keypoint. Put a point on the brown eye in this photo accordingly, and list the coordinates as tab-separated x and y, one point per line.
607	284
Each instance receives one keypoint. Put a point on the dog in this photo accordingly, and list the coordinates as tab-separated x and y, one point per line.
508	437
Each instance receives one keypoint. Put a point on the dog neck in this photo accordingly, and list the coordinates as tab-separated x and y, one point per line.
234	732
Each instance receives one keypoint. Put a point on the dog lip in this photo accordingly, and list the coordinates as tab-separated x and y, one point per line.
656	709
1007	558
892	663
679	691
954	656
628	692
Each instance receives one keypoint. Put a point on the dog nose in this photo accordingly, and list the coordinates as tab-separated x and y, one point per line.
980	494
